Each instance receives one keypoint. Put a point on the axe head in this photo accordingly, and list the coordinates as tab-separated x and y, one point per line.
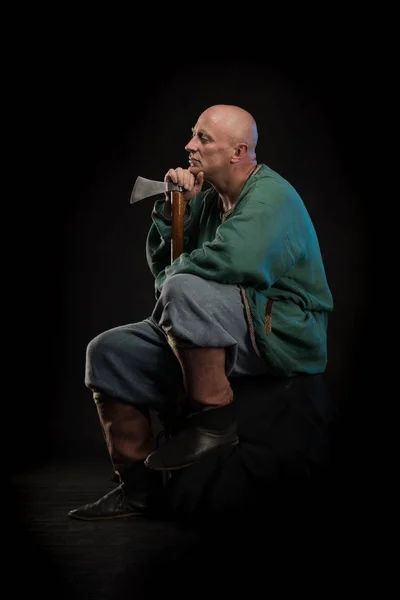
145	188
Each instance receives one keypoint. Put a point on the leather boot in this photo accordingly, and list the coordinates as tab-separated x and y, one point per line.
129	440
211	422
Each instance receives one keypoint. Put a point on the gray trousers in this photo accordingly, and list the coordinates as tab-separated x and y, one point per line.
135	362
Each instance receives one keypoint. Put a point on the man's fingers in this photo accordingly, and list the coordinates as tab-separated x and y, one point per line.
181	177
184	178
171	176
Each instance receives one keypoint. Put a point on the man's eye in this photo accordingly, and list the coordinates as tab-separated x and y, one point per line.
203	138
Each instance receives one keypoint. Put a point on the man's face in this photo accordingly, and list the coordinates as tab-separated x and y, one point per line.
210	148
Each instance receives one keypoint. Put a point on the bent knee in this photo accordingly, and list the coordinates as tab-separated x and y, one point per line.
103	344
183	285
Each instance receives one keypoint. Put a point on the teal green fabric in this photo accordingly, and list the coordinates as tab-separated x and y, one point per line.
268	246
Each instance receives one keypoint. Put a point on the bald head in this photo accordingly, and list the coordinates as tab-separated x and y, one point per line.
235	122
222	145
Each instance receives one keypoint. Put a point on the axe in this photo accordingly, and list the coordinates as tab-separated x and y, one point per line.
145	188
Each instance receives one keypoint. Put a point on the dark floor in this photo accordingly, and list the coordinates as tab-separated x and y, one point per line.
258	520
143	558
80	559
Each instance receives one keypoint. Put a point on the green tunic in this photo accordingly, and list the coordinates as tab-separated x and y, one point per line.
269	248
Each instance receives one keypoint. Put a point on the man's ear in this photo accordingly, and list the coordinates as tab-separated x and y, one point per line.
240	152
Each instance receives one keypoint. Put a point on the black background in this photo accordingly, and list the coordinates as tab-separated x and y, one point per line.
105	119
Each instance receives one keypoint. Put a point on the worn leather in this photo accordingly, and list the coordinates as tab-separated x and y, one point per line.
191	445
134	496
114	504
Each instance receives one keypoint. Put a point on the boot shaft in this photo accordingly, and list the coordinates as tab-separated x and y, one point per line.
127	431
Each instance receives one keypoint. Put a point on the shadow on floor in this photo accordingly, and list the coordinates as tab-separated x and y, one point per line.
273	511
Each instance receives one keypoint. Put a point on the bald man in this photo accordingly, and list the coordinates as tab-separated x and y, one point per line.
248	296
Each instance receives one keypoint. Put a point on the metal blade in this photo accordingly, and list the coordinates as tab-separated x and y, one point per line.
145	188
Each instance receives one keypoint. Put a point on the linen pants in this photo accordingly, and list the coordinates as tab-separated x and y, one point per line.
135	362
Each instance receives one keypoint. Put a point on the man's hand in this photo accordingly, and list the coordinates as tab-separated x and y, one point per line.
191	184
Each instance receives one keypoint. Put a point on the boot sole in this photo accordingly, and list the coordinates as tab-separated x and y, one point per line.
194	462
125	516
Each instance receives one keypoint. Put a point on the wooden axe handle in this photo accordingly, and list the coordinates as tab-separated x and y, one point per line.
178	213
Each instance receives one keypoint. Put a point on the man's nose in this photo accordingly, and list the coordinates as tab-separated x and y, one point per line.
191	146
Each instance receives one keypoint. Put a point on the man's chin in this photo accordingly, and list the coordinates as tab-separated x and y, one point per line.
194	169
